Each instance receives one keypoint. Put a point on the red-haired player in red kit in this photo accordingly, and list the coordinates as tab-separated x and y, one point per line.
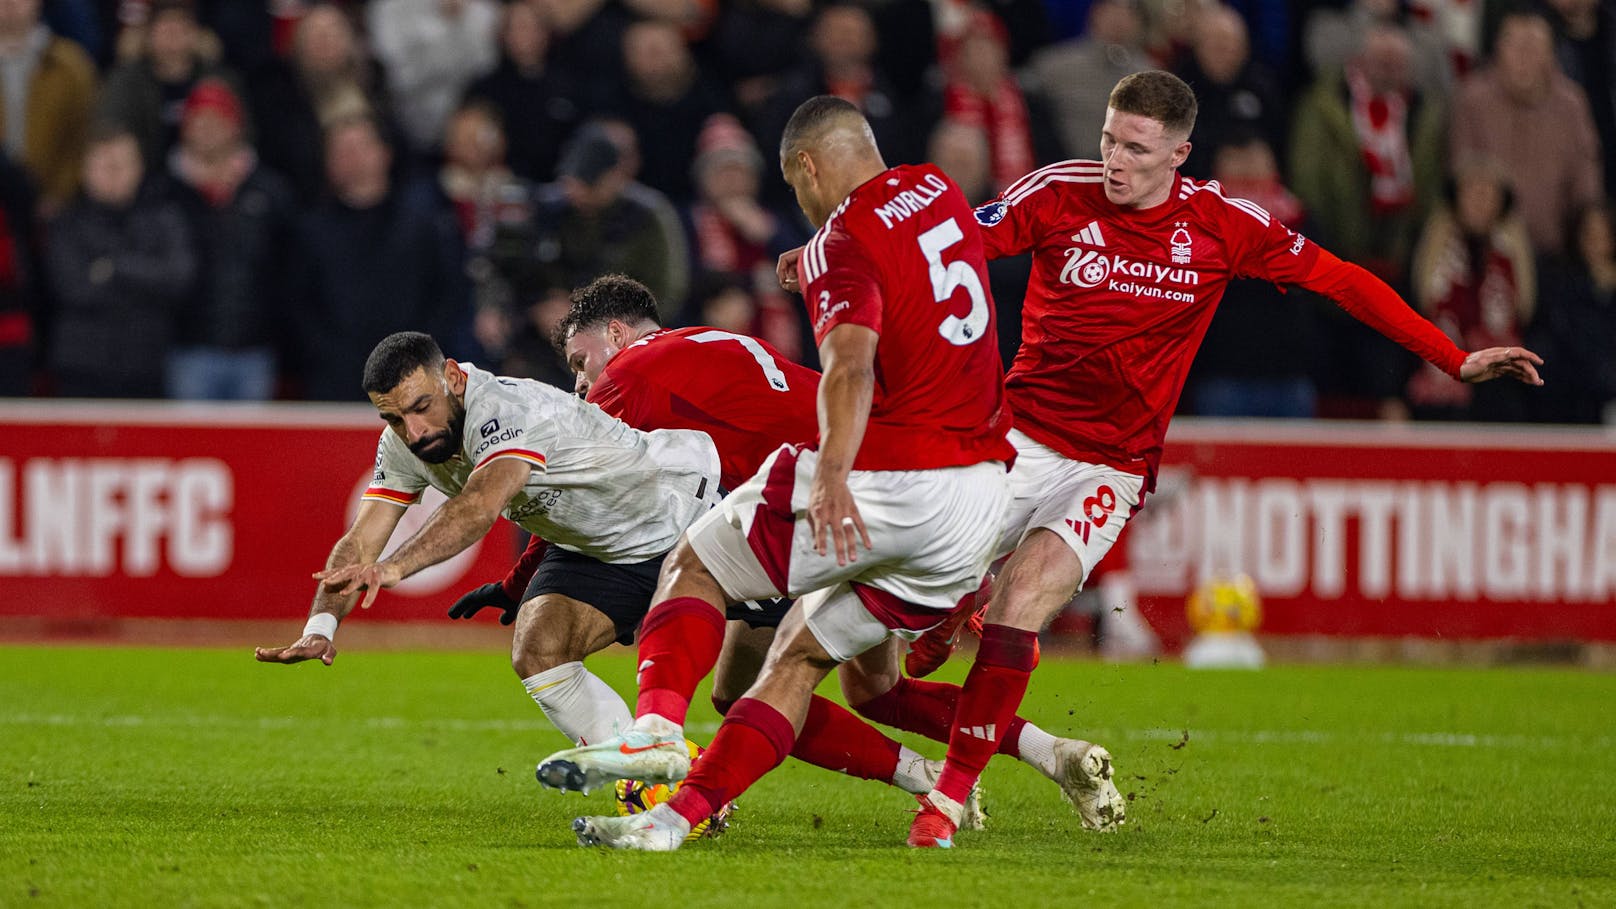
877	527
1129	262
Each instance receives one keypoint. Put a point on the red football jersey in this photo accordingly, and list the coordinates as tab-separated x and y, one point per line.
735	388
1119	300
899	256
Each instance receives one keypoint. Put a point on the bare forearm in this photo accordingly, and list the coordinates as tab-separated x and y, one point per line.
845	394
347	552
461	522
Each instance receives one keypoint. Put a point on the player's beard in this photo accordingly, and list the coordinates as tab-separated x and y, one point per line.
441	446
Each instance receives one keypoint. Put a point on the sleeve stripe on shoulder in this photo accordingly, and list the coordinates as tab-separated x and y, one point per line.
1064	167
1215	188
382	494
531	457
1077	177
813	257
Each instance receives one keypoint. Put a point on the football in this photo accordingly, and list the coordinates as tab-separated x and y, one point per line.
636	796
1221	605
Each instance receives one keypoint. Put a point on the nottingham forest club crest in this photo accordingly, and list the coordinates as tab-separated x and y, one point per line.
1179	244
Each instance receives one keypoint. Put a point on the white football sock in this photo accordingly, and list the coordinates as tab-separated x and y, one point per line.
659	726
582	706
1037	748
914	774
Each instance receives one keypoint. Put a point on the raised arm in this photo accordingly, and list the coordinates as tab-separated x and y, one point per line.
845	393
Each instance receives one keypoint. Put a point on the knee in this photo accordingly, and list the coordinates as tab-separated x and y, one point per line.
1029	599
722	705
862	688
532	654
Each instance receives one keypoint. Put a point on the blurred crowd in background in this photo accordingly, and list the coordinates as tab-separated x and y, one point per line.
235	199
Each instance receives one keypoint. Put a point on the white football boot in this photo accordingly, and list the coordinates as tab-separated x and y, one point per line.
659	830
1083	771
634	755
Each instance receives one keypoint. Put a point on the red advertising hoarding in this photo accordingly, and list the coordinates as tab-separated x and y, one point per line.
1377	530
161	510
154	510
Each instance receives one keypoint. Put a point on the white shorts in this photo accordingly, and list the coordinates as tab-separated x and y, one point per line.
1085	504
932	530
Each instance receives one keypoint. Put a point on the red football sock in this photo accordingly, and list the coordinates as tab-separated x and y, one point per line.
833	738
753	740
679	644
987	705
927	708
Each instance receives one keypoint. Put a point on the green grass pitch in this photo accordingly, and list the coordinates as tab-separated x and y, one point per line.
197	777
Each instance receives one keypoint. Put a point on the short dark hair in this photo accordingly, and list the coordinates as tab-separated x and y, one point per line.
606	298
1159	95
399	355
813	117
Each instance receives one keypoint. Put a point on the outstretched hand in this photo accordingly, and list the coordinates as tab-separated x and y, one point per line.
490	594
370	577
1495	362
308	647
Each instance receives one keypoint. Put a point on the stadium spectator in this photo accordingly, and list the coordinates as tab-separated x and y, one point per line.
19	281
431	50
1585	45
1576	322
1239	370
148	93
328	78
733	233
494	210
665	97
539	104
1505	112
981	91
373	258
595	220
120	263
243	216
1240	95
1075	76
843	48
530	349
754	43
1474	277
47	93
1331	36
1366	155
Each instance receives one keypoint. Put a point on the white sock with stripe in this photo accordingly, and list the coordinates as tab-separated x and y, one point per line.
582	706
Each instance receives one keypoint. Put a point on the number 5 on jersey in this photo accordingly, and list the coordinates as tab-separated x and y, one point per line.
946	280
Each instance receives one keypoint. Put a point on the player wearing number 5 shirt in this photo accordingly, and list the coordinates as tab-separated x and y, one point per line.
879	526
1129	262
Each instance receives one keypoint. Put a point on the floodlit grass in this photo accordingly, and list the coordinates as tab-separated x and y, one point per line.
197	777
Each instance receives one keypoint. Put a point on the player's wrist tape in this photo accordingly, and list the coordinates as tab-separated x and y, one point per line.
323	624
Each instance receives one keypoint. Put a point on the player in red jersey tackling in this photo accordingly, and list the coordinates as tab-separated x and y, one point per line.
1129	262
880	527
750	400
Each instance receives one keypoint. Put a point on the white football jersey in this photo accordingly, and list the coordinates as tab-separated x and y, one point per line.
597	487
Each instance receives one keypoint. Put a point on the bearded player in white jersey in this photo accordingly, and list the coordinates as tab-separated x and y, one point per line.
611	500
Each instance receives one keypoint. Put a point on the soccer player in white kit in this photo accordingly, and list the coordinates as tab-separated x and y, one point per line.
611	500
